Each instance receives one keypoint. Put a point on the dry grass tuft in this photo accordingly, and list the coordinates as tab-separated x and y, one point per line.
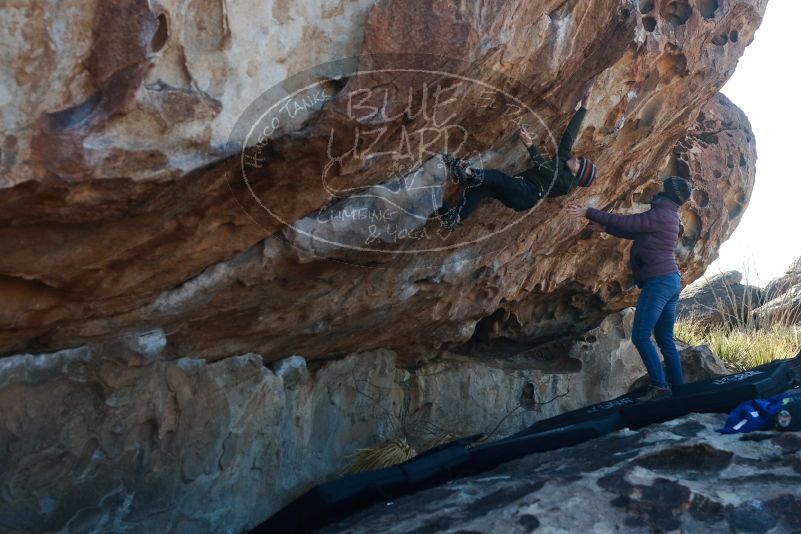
387	454
746	340
742	348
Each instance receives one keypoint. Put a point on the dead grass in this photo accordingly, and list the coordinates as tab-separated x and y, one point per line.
745	340
389	453
742	347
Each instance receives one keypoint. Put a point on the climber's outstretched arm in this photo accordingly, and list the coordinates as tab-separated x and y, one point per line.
574	126
619	225
638	223
571	134
536	157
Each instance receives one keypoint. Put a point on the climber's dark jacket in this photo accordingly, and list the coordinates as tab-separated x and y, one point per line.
655	234
542	172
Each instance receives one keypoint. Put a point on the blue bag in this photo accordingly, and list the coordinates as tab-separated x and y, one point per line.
757	414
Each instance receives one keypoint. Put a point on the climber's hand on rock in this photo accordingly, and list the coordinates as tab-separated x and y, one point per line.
574	210
524	136
595	227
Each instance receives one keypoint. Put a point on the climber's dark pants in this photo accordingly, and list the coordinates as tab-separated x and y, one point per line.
513	191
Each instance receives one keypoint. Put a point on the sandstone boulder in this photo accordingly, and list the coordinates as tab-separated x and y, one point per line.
719	300
783	304
782	284
124	208
785	309
192	289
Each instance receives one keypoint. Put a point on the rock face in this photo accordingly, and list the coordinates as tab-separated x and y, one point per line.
700	363
697	363
784	310
678	476
99	439
135	197
784	283
783	298
116	213
721	299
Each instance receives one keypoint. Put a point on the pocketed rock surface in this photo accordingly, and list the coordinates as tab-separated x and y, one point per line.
123	206
677	476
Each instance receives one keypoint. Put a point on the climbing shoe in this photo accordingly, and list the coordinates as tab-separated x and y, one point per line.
457	169
449	217
655	393
450	162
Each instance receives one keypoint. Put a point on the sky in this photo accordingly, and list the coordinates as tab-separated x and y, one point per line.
766	85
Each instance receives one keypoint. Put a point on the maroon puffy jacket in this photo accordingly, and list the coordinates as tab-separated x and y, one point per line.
655	234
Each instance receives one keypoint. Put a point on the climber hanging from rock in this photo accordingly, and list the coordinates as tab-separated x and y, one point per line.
553	177
653	261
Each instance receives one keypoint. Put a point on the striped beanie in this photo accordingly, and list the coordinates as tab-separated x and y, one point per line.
586	172
677	189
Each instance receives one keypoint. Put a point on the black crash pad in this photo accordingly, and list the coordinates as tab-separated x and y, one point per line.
333	500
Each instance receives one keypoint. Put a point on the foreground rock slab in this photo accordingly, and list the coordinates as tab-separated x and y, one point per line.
677	476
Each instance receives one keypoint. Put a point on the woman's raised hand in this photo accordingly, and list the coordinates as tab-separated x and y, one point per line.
574	210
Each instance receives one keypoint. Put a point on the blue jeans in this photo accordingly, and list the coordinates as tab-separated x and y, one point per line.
656	312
